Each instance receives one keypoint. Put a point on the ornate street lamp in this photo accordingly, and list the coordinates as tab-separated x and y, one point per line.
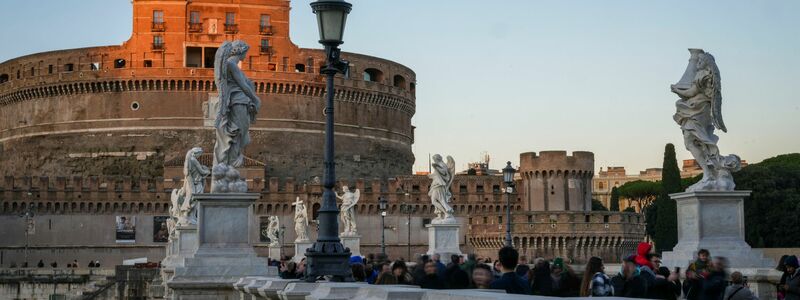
382	206
282	233
508	178
328	256
408	209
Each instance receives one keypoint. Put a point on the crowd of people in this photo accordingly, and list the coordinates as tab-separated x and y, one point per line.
641	275
54	264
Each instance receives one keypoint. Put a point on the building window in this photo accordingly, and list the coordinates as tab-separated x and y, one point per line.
148	63
265	48
300	68
50	69
310	63
462	189
399	81
588	218
485	220
33	71
373	75
285	64
600	185
69	67
158	20
530	219
3	78
230	23
605	219
158	43
194	22
479	188
264	26
499	219
119	63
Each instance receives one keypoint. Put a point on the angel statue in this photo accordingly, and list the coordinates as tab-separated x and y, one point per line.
183	204
237	108
300	221
441	179
348	214
699	113
273	231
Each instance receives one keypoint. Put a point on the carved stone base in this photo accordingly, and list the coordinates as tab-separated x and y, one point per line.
353	242
274	252
443	239
714	221
224	253
300	249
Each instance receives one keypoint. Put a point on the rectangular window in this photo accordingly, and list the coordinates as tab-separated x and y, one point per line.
194	17
194	57
230	18
50	69
67	68
158	16
480	188
148	63
158	42
264	20
285	64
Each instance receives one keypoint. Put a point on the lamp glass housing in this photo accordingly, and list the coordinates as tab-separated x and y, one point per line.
331	19
508	174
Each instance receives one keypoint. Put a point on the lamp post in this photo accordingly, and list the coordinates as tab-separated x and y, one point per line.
28	215
408	209
382	207
283	234
508	178
328	256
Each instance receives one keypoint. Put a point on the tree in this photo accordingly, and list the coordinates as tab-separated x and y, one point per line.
771	210
665	212
597	205
614	202
643	193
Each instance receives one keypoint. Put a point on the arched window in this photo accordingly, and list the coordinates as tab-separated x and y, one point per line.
374	75
601	185
3	78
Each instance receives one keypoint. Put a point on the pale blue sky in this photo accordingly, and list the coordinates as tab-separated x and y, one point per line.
515	76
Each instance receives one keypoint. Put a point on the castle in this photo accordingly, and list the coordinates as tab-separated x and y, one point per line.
96	135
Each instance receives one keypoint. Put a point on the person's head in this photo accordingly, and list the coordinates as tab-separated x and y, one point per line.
496	265
629	266
558	266
455	259
430	268
423	259
720	263
471	257
481	276
291	266
399	268
508	258
385	268
359	273
737	278
655	260
791	264
386	278
703	255
437	257
782	263
523	260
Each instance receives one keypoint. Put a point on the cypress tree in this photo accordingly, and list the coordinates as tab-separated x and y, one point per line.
614	202
666	233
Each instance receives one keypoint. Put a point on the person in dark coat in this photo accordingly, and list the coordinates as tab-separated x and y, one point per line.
431	279
509	280
696	273
454	276
629	283
714	285
791	289
419	269
541	282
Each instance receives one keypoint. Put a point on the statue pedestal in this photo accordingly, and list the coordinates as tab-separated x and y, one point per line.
183	246
443	239
715	221
300	249
223	253
275	252
353	242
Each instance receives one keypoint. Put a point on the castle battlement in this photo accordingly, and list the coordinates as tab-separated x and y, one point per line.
557	162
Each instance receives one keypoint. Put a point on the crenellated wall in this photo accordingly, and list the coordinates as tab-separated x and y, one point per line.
554	181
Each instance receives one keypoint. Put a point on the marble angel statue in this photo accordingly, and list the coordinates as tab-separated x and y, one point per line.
237	108
442	175
300	221
273	231
183	205
699	113
347	210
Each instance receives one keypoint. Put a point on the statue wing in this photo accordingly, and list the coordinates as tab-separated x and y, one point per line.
716	101
357	196
451	168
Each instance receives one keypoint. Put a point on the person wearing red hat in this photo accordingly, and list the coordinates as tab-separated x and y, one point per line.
642	258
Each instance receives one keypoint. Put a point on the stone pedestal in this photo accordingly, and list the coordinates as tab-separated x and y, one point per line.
353	242
714	221
300	249
184	245
443	239
274	252
224	253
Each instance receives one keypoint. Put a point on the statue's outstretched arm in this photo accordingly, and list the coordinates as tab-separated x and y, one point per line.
243	82
686	93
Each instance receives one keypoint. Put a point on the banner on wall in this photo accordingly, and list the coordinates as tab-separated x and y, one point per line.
126	229
160	230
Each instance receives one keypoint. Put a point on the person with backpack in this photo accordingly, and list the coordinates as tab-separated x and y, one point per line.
738	289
